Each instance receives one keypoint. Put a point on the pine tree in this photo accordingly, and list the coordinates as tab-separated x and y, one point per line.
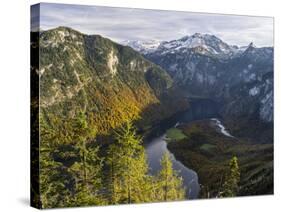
170	185
129	179
231	184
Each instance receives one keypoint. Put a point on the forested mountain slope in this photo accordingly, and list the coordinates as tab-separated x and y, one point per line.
111	83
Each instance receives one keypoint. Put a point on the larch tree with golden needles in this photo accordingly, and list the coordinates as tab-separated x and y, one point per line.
170	185
231	183
129	179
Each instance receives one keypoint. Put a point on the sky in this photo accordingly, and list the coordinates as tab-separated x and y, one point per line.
120	24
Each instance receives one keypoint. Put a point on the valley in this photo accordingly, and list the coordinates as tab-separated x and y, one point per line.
115	119
200	142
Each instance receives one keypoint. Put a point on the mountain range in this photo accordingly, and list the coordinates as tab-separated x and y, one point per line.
209	44
153	79
240	78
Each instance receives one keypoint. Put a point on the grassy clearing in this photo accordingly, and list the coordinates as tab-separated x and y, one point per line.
175	134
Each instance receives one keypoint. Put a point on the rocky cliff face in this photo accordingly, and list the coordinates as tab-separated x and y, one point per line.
110	82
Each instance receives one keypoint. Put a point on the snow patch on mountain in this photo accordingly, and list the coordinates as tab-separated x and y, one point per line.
142	46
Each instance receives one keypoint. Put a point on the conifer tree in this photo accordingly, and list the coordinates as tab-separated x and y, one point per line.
231	184
170	185
87	168
129	179
53	192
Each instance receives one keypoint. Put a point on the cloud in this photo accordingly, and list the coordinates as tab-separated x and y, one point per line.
141	24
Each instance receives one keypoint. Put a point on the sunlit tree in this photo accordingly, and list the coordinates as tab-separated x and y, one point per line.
170	184
231	183
129	179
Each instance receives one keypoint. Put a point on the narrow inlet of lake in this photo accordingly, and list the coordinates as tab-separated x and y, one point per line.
155	150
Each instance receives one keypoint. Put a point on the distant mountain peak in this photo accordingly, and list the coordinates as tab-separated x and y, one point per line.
250	48
204	36
142	46
197	35
65	29
251	45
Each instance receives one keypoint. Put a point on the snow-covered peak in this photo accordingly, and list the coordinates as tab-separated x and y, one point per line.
205	43
147	46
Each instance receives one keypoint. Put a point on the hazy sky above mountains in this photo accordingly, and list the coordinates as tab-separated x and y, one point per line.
121	24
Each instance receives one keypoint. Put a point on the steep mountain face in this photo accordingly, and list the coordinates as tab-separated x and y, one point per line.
241	79
110	82
250	78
